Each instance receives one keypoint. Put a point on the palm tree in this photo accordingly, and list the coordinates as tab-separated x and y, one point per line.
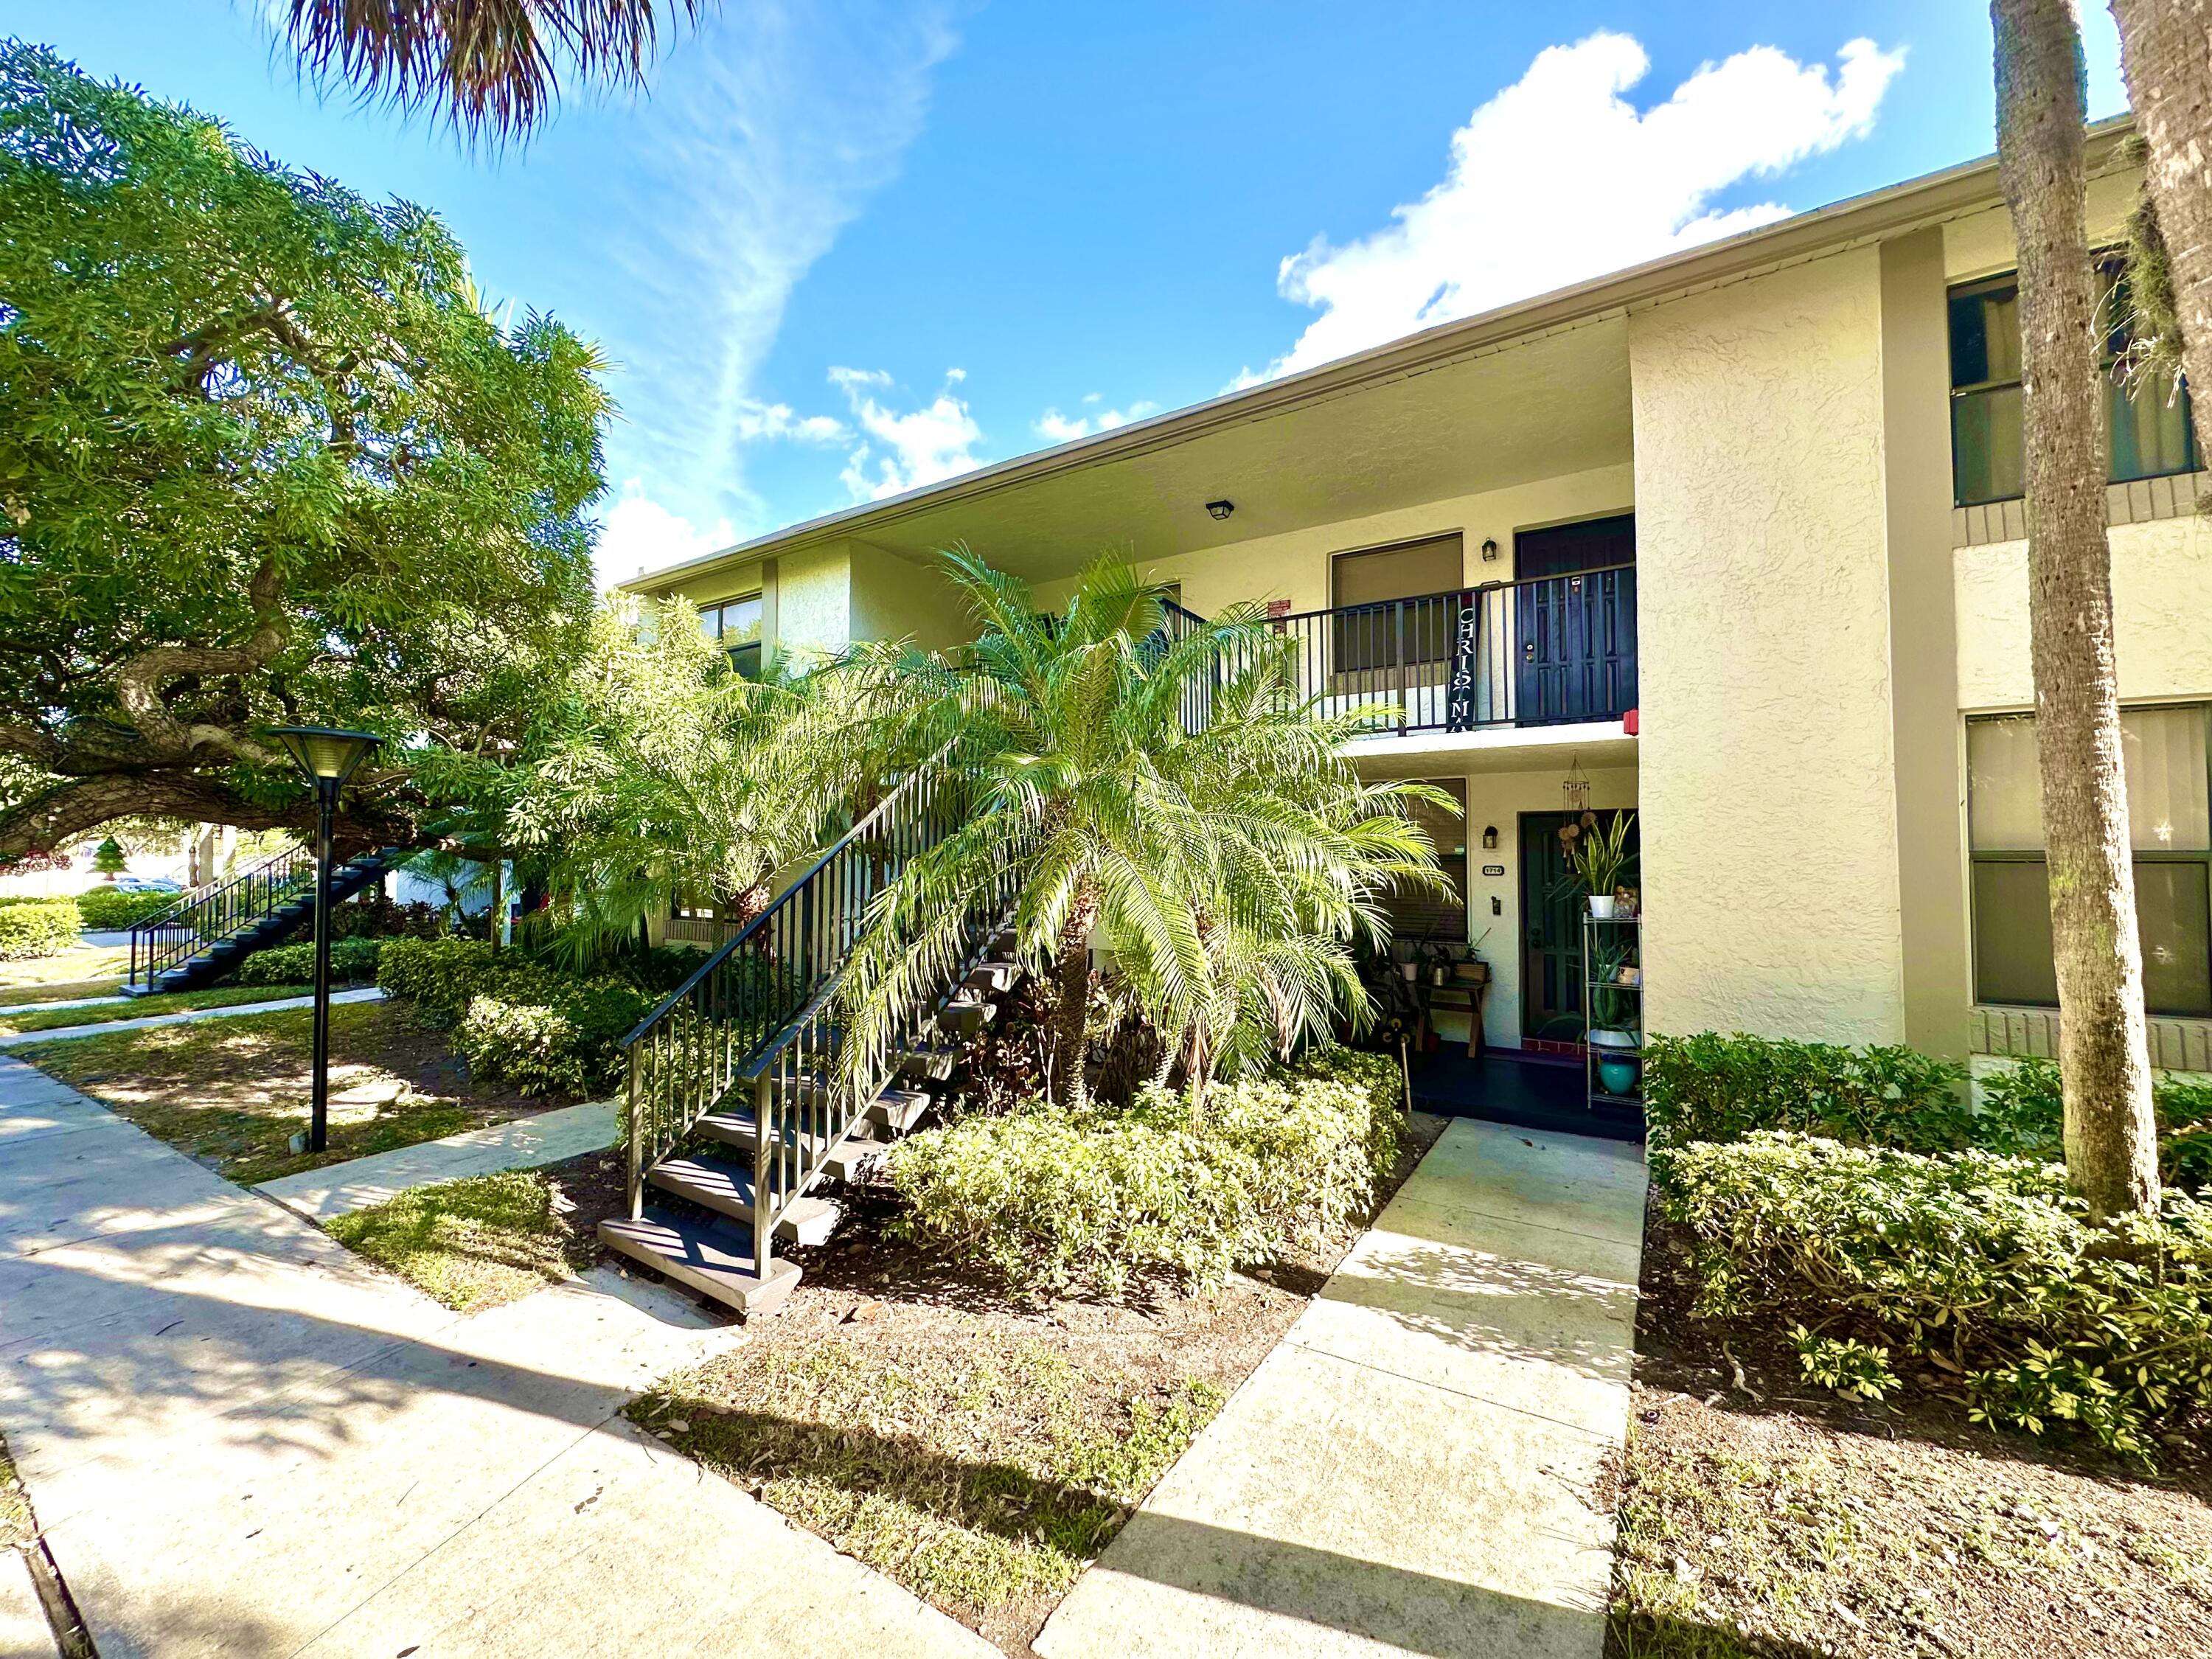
490	66
670	778
1224	870
2111	1139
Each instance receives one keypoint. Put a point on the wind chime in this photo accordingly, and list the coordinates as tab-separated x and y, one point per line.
1574	801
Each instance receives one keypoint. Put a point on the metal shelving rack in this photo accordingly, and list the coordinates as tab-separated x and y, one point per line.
1622	939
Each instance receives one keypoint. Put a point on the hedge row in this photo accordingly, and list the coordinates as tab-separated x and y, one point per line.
352	961
1167	1190
106	909
36	928
514	1018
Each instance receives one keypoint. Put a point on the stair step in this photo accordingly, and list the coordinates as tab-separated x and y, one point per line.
727	1187
929	1061
966	1014
850	1159
994	978
896	1109
714	1259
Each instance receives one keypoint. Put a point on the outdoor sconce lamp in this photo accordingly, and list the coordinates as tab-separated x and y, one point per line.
1221	509
326	757
1489	549
1489	836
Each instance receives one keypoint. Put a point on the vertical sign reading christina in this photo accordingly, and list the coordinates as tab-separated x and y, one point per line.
1459	713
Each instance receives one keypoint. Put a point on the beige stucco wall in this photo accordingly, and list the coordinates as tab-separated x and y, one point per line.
1770	873
1981	245
715	585
1294	565
2161	573
894	598
814	601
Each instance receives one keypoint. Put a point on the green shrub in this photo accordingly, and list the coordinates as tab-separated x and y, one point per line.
1054	1201
37	928
563	1041
104	908
2022	1111
352	960
1980	1263
1710	1087
443	976
1164	1191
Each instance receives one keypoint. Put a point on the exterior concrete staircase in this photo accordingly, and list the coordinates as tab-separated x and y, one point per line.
211	928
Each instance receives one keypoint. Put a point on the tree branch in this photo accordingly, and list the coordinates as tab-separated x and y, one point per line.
138	681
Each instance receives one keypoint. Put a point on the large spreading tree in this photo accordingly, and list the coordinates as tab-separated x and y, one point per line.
266	456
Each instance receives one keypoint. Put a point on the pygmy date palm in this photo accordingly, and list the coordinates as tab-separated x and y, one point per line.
1224	869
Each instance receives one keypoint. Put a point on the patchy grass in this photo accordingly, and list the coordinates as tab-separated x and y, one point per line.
977	1477
165	1002
472	1244
231	1092
85	970
17	1527
1763	1518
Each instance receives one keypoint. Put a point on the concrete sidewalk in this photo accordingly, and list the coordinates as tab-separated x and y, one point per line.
1413	1469
240	1439
522	1143
366	993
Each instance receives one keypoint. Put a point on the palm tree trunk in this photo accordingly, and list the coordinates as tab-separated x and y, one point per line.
2111	1143
2165	49
1071	1013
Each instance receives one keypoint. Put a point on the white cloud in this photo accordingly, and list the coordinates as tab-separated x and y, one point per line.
753	420
766	132
638	533
935	442
1558	177
1062	428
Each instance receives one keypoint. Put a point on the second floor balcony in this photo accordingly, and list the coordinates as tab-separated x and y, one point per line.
1545	650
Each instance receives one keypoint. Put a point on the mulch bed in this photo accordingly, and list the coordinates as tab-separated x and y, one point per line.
1761	1515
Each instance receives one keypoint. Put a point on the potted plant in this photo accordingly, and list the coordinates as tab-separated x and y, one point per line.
1612	1005
1470	969
1599	857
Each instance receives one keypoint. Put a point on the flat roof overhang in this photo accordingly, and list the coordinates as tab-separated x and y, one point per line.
1045	512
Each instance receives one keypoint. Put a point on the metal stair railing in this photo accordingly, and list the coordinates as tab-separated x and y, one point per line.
215	911
767	990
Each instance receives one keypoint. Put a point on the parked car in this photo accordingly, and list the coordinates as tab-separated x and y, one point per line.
145	884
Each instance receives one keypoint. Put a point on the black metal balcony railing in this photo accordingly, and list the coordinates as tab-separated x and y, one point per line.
1545	650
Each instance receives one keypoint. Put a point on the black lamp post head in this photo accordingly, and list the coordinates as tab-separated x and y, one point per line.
327	754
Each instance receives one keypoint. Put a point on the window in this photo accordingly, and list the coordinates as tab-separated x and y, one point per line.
2169	821
1372	632
2147	432
737	624
1418	915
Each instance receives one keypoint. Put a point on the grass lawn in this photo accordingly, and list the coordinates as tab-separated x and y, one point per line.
166	1002
981	1476
15	1526
83	971
472	1244
231	1092
1760	1517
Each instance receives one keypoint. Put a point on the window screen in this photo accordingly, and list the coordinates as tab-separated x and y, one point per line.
1392	604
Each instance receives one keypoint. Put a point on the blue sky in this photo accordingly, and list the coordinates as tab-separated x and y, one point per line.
845	246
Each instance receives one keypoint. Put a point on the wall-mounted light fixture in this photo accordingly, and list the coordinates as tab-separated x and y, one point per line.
1489	836
1221	509
1489	547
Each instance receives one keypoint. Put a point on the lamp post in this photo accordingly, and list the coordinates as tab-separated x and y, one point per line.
326	757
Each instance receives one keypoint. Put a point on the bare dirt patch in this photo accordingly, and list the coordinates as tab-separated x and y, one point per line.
1760	1515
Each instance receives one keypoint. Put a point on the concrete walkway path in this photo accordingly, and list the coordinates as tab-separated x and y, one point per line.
72	1002
366	993
522	1143
242	1440
1413	1469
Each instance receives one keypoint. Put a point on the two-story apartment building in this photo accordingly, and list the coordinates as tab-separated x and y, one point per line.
1733	538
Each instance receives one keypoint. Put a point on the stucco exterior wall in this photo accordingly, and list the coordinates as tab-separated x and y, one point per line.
894	598
814	601
2160	573
1981	245
1294	565
714	585
1769	823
